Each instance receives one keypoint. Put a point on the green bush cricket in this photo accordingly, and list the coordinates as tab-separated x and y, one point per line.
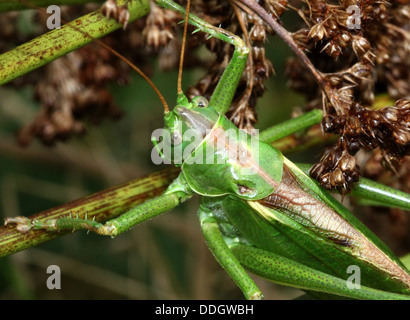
273	220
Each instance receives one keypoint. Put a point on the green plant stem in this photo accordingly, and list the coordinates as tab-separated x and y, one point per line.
58	42
281	130
374	193
10	5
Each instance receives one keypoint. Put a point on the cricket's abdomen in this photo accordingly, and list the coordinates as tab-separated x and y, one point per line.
311	213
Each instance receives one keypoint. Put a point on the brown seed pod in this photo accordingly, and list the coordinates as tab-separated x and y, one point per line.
318	10
317	32
360	45
337	169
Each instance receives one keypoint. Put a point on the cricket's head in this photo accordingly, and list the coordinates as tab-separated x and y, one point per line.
187	124
190	121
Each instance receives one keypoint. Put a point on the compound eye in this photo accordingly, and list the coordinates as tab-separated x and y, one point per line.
176	138
201	102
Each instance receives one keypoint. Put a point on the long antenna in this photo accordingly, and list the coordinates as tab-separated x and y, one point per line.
114	52
181	60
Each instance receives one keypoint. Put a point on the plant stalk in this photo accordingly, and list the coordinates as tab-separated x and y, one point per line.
58	42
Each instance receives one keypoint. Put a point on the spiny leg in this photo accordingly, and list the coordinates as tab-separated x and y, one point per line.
175	194
286	271
224	256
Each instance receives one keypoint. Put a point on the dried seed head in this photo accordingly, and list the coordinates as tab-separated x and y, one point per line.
325	181
110	9
402	136
360	45
318	10
301	37
343	39
317	32
332	49
361	70
390	113
347	3
276	6
403	103
335	80
258	33
353	126
336	178
347	162
332	24
123	16
337	169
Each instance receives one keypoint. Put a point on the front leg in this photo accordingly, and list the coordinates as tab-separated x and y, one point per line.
176	193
